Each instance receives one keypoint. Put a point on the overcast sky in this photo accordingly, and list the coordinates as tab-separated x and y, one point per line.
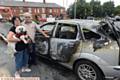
66	3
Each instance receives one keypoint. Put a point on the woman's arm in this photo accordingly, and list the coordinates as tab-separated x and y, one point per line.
10	37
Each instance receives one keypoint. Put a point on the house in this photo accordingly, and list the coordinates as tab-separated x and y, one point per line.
36	8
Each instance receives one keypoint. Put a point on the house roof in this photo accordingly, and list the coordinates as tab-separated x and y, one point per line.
28	4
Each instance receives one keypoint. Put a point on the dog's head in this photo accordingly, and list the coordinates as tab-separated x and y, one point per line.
20	29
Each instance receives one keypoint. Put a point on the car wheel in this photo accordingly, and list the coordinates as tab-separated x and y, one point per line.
87	70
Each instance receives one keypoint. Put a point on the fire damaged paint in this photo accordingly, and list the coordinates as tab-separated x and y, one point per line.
94	42
108	53
41	44
63	50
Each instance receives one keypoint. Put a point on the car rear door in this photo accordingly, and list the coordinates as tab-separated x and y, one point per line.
65	40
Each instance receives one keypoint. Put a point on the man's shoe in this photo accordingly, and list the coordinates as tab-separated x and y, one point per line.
26	70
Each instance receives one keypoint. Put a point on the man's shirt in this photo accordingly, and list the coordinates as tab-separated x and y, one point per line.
31	29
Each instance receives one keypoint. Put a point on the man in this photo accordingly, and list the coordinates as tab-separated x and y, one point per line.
31	27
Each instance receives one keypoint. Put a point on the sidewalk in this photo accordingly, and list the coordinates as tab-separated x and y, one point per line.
7	64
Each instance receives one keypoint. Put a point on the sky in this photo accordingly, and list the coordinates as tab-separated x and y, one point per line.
67	3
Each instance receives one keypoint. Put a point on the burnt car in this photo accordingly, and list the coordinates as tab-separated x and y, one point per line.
88	47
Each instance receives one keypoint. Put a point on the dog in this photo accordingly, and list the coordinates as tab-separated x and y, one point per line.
21	34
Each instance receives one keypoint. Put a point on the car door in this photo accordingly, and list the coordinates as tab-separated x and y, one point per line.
42	45
64	42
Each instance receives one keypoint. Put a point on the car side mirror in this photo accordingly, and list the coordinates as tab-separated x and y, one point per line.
98	44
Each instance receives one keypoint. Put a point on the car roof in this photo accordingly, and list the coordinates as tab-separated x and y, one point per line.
84	23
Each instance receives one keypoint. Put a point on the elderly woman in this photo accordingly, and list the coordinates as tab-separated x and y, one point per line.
21	54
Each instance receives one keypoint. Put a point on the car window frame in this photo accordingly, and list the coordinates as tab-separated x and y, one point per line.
78	30
47	24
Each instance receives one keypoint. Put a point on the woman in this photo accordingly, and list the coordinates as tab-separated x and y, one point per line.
21	54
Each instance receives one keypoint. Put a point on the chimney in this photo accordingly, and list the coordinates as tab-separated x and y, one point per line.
23	0
44	1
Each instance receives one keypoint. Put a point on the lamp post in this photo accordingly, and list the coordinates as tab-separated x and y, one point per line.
75	9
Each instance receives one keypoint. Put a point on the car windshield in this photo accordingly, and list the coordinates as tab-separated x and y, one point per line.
112	33
117	24
105	30
117	27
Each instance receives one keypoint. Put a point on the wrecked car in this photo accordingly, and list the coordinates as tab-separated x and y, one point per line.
88	47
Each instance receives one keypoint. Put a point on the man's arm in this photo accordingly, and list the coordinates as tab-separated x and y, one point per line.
41	31
47	36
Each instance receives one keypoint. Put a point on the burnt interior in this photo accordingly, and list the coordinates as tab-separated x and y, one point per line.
105	30
98	40
89	35
66	31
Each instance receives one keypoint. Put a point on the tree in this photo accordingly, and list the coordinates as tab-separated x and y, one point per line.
87	9
80	9
96	8
70	11
84	9
108	8
117	10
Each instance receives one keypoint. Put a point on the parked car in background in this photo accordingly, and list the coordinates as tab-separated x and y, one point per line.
88	47
90	18
117	18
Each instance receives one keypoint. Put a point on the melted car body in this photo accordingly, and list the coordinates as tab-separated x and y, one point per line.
76	42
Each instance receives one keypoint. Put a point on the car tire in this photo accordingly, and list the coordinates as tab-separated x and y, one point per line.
87	70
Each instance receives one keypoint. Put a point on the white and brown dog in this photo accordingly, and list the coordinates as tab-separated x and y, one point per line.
21	34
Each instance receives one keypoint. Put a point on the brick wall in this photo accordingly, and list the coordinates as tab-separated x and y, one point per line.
42	12
38	11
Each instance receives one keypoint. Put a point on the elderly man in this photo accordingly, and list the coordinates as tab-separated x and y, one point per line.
31	27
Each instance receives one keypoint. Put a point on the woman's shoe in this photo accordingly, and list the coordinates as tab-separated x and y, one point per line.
17	75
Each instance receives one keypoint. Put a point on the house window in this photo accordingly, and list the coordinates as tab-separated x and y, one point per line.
29	10
14	10
43	15
50	10
35	10
25	9
38	10
43	10
21	10
55	10
61	10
